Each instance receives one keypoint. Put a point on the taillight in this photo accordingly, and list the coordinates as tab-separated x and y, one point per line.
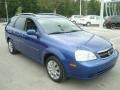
109	21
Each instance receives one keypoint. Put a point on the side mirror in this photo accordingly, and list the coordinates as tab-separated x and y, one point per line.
31	32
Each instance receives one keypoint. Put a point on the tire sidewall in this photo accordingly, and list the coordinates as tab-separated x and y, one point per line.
14	50
88	23
62	71
112	26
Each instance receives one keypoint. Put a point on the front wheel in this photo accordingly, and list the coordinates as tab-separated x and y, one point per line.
55	69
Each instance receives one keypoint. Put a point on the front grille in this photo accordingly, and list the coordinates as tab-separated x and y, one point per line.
105	53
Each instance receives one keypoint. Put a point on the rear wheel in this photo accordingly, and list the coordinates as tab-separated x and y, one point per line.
11	47
112	26
88	23
55	69
108	26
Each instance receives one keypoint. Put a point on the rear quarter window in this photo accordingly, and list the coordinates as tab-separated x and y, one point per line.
12	21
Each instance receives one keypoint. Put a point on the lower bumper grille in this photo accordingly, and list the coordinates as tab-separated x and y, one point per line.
100	72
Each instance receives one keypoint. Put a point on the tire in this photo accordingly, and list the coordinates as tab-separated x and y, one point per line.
108	27
88	23
55	69
11	47
112	26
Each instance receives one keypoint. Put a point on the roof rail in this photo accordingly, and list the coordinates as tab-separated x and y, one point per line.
26	14
48	14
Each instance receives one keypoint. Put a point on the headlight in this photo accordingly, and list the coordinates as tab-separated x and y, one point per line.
82	55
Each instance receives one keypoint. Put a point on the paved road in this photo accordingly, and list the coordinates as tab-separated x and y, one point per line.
18	72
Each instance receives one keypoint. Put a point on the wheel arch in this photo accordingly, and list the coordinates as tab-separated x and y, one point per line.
8	39
52	52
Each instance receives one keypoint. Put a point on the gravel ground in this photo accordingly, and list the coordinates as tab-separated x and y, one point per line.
17	72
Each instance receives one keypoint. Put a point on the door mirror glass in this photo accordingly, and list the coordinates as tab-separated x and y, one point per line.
31	32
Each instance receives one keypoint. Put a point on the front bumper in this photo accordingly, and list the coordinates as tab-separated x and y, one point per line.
92	69
83	22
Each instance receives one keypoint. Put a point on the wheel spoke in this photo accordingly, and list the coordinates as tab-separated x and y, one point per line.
53	69
10	46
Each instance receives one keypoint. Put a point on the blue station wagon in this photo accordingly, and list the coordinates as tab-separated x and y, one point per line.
62	47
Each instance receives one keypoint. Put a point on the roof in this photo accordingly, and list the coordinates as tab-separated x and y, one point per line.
41	15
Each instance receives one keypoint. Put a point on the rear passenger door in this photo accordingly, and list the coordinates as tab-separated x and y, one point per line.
97	20
18	33
92	19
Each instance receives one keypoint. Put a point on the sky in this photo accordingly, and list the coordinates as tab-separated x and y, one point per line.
111	0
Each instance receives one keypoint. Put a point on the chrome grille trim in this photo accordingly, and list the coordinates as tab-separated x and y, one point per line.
105	53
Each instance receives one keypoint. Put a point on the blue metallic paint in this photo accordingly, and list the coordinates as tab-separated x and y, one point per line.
63	46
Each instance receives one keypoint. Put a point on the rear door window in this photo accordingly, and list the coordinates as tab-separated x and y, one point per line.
98	18
92	17
20	23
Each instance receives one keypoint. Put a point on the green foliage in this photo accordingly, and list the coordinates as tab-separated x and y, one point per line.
64	7
19	10
94	7
2	8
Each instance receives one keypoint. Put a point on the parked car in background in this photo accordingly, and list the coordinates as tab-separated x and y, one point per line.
60	45
3	20
112	22
89	20
75	18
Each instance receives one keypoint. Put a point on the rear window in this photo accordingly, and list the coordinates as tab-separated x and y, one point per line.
92	17
76	16
97	17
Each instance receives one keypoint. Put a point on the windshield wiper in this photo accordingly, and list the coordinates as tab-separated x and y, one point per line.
57	32
65	32
73	31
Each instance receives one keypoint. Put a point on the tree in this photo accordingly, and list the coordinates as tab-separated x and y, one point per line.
64	7
19	10
2	9
12	7
29	5
94	7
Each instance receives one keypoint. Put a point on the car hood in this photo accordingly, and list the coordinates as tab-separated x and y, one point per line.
83	40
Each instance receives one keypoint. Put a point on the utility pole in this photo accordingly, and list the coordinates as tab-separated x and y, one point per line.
86	11
6	8
101	14
80	7
106	8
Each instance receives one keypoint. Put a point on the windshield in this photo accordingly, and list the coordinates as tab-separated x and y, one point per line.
58	25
